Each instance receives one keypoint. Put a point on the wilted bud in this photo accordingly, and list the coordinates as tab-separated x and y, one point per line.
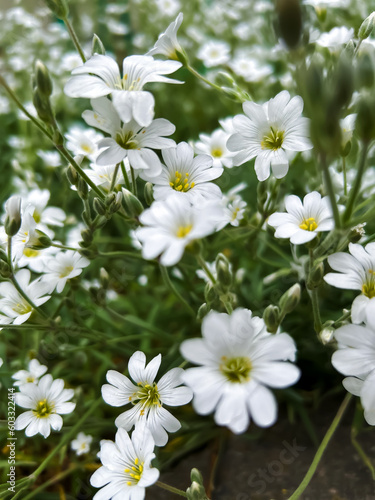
356	233
97	46
210	293
202	311
315	276
82	189
289	21
13	215
271	316
365	123
366	27
290	300
133	207
149	193
99	206
365	71
59	8
223	272
42	78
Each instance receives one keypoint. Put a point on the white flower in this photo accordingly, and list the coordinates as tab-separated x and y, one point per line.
356	271
127	470
100	76
250	69
13	208
267	132
81	444
336	37
129	140
167	43
170	225
347	126
44	216
238	359
303	221
215	145
13	305
50	158
186	176
45	402
32	375
147	396
365	389
214	53
35	259
168	7
103	175
83	142
234	209
61	268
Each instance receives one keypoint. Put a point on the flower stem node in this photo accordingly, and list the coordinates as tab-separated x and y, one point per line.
59	8
367	27
132	206
316	274
149	193
13	215
271	317
290	300
223	272
42	78
97	46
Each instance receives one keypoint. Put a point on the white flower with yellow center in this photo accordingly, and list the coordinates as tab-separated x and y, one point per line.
16	307
303	221
214	53
100	76
129	140
146	396
31	375
45	402
238	361
356	271
215	145
127	470
83	142
170	225
103	175
167	43
43	215
61	268
186	176
81	444
267	132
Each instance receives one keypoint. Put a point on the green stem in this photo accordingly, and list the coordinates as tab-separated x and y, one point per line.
74	38
315	299
124	253
133	320
174	290
205	268
357	184
200	77
51	481
344	175
306	480
113	181
171	489
125	175
56	245
362	454
133	181
330	191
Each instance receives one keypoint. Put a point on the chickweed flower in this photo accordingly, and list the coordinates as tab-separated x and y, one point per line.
31	375
81	444
167	43
61	268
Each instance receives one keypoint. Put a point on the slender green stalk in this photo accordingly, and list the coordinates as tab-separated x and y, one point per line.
344	175
50	482
306	480
114	177
74	38
205	268
135	321
203	79
134	184
125	175
357	183
365	459
174	290
64	247
330	190
315	299
124	253
171	489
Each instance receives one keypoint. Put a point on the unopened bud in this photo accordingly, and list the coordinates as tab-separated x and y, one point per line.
5	271
87	236
97	46
315	276
210	293
196	492
290	300
13	215
202	311
42	78
271	317
196	476
116	204
104	278
149	193
132	206
82	189
42	106
223	272
289	21
327	334
59	8
39	240
99	206
366	27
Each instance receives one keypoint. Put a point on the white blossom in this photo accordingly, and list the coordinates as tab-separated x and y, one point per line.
81	444
31	375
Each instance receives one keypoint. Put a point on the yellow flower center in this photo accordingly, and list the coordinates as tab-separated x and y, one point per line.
183	231
368	288
180	182
273	140
44	409
22	307
29	252
237	370
30	379
36	216
134	472
66	271
126	140
309	224
217	153
148	395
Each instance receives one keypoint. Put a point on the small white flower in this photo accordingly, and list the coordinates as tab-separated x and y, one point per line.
61	268
45	402
249	69
13	208
83	142
13	305
103	175
347	126
238	359
303	221
44	216
167	43
35	259
336	37
31	375
214	53
81	444
365	389
127	470
147	396
267	132
215	145
186	176
50	158
129	140
356	271
234	210
170	225
100	76
168	7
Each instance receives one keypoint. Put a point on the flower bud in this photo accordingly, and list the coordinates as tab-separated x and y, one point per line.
289	21
290	300
133	207
99	206
315	276
39	240
42	106
59	8
196	492
104	278
196	476
223	272
326	336
82	189
271	317
13	215
202	311
366	27
210	293
149	193
365	123
97	46
116	204
42	78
